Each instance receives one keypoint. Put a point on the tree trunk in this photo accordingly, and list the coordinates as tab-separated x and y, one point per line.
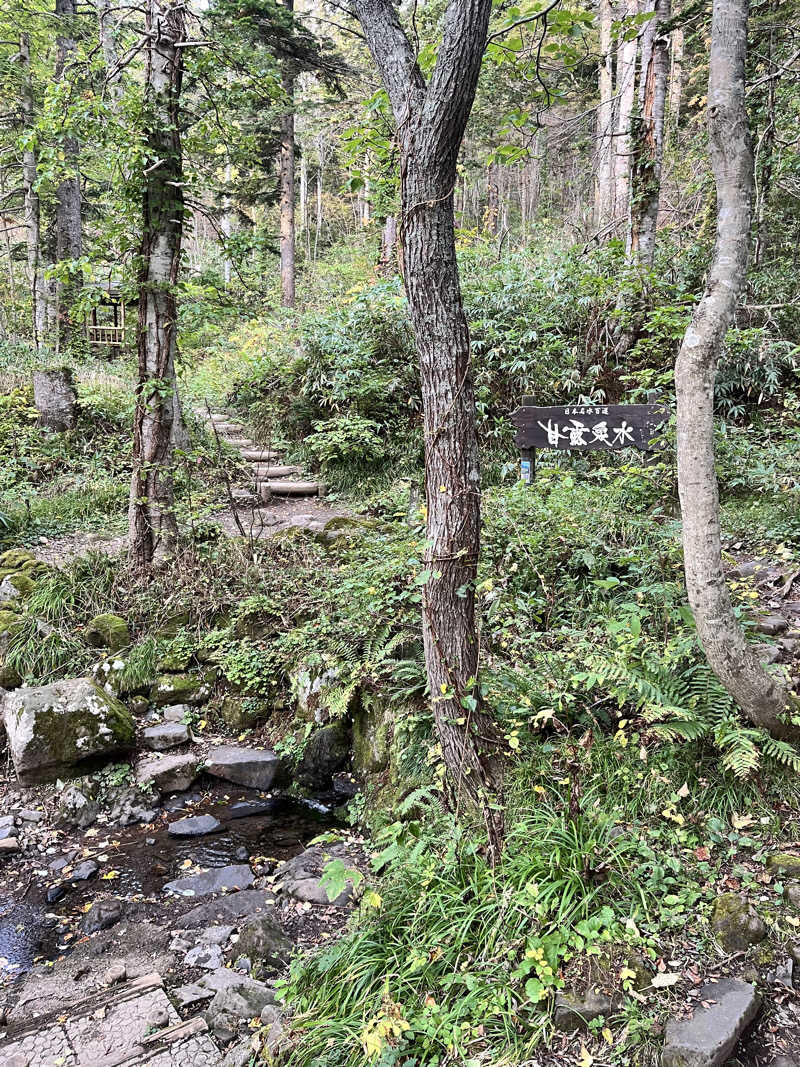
765	153
492	220
226	226
604	186
648	141
430	121
107	32
387	262
676	78
68	193
625	89
152	523
32	205
287	187
760	695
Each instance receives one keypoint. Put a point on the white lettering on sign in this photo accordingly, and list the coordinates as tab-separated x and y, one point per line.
577	432
586	411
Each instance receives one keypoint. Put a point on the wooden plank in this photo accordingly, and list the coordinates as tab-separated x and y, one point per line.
590	427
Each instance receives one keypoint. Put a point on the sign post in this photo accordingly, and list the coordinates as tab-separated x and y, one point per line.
585	428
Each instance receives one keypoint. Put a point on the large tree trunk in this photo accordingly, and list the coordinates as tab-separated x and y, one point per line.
430	121
604	141
648	140
152	523
760	695
32	205
286	166
69	242
625	90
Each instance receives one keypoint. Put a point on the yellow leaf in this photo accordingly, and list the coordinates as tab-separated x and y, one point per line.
109	876
186	865
607	1035
372	899
586	1059
740	821
200	725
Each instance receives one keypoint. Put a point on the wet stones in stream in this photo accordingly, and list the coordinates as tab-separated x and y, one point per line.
194	826
208	883
254	768
168	774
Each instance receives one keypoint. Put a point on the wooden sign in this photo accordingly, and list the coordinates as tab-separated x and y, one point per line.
587	427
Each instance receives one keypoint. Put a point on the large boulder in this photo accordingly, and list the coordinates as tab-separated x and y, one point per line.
256	768
326	752
52	728
168	774
262	941
107	631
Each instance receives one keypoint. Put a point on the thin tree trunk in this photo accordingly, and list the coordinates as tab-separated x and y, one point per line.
625	91
492	219
69	242
761	696
226	226
153	529
287	187
766	147
430	122
304	203
387	261
318	220
648	141
604	186
32	205
107	32
676	78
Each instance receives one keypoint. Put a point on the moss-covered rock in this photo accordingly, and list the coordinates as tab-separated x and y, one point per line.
326	752
17	584
8	621
785	864
53	728
107	631
372	735
188	688
735	924
243	713
34	568
179	659
14	559
10	678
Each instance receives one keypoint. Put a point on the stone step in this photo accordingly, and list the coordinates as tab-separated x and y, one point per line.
239	442
264	471
259	455
229	429
216	416
281	487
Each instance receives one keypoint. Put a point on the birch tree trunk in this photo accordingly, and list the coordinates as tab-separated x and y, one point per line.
647	140
604	186
32	206
287	188
152	526
430	119
107	33
69	242
761	696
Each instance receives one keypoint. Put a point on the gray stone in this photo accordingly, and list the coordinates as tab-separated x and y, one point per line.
243	1001
194	826
262	939
228	909
55	399
102	915
784	864
177	712
7	831
772	625
245	809
709	1037
769	654
251	767
750	569
117	972
84	871
240	1055
326	752
189	995
793	894
572	1012
311	891
30	815
132	805
165	735
51	728
76	808
188	688
8	846
168	774
225	1026
207	956
735	923
6	822
217	880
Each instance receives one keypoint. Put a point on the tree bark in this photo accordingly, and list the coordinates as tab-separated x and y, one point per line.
648	141
286	166
492	219
107	32
604	141
430	122
69	243
32	205
761	696
152	526
625	91
387	261
676	78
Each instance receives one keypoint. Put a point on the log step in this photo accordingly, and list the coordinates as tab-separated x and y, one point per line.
288	488
239	442
259	455
233	429
263	472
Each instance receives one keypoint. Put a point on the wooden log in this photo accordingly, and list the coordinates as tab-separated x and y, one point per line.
259	455
264	471
285	487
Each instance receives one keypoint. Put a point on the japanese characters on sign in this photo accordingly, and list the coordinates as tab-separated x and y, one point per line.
590	426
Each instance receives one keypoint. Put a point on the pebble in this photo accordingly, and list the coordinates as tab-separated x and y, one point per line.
55	893
29	815
8	846
158	1019
84	871
114	974
208	957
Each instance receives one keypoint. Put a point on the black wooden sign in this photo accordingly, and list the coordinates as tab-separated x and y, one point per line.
584	427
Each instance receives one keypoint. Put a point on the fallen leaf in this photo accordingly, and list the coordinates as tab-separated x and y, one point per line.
109	876
663	981
586	1059
702	853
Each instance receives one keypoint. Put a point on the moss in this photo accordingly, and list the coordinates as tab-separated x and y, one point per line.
372	732
177	660
23	583
190	688
735	924
10	678
784	863
107	631
8	620
242	713
14	559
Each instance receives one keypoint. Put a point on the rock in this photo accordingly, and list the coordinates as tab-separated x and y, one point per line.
217	880
244	712
262	939
300	877
772	625
708	1038
189	688
76	808
102	915
117	972
311	691
783	1061
225	1026
326	752
189	995
31	815
168	774
14	559
793	894
245	1000
15	587
750	569
311	891
785	864
246	809
107	631
240	1055
207	956
55	399
84	871
7	830
133	805
228	909
372	731
345	786
55	893
52	728
194	826
769	654
157	1019
572	1012
735	923
254	768
177	713
165	735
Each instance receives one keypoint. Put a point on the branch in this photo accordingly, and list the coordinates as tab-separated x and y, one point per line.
394	57
522	22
